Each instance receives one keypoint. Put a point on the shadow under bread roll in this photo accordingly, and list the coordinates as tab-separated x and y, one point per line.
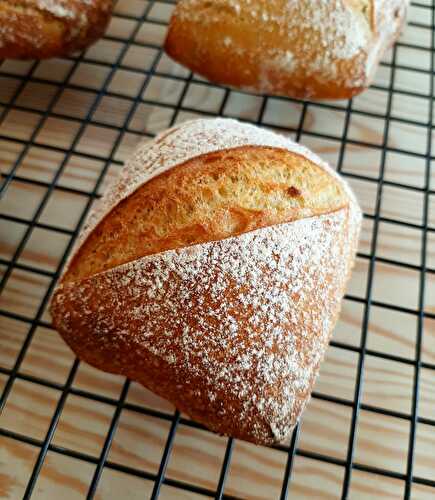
39	29
212	272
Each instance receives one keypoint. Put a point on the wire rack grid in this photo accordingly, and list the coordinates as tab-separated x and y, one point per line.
66	126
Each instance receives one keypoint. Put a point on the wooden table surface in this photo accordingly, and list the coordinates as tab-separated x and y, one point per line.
382	437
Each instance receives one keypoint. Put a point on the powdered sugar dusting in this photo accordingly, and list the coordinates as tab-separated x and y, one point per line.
239	326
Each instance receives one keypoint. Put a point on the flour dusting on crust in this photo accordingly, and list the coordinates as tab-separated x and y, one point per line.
239	326
231	331
185	142
43	28
331	42
59	8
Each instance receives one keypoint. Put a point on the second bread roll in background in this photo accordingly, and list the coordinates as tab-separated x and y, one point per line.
39	29
298	48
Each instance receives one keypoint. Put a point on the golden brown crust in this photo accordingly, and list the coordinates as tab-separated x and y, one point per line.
231	331
307	48
211	197
184	324
39	29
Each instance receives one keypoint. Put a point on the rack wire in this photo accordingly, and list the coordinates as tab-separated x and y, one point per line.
138	17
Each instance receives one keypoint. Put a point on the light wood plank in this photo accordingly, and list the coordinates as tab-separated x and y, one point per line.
254	472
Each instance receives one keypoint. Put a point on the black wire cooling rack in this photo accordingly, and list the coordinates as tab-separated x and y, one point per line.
136	17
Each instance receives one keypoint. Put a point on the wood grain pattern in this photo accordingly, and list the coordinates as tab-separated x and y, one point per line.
254	472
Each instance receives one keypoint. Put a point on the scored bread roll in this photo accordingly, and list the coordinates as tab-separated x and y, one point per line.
38	29
299	48
212	273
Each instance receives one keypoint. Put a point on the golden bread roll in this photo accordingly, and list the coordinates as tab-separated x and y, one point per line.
298	48
38	29
212	273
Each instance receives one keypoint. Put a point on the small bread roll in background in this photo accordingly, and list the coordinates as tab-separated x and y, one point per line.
212	272
39	29
298	48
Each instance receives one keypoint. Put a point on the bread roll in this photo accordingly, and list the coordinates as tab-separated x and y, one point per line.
38	29
212	273
298	48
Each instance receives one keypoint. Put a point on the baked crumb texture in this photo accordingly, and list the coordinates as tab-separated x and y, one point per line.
212	272
38	29
321	49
